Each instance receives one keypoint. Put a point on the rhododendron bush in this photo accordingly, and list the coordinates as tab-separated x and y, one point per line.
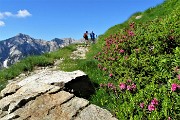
142	62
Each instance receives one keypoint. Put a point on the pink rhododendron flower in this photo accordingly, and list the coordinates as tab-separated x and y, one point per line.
154	101
124	36
137	50
128	87
129	81
122	86
133	86
125	57
171	37
99	66
104	69
176	69
110	75
132	25
151	107
110	85
130	33
101	85
121	51
113	88
174	87
178	76
141	105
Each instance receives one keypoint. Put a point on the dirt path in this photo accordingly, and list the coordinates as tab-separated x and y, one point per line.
80	53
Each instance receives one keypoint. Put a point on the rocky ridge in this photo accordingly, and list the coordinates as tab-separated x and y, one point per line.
20	46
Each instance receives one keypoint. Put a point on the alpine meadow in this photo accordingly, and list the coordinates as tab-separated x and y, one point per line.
136	65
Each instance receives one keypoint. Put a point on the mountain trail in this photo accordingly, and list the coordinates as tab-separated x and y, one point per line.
51	94
79	53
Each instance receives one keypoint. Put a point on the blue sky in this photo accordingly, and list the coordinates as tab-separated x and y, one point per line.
47	19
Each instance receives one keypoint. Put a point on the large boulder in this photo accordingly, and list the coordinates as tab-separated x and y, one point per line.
51	95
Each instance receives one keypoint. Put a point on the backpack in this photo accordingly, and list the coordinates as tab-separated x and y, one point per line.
85	36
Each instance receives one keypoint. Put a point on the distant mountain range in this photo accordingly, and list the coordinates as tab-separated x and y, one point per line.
21	46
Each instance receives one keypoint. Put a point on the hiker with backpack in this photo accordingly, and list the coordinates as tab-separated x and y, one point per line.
86	37
92	35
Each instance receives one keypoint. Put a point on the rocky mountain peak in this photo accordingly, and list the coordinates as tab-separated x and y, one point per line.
23	36
22	45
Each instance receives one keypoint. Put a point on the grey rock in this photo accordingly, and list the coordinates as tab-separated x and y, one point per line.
26	93
11	88
45	96
138	17
93	112
41	107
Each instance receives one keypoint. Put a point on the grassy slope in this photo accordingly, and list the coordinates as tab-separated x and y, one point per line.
152	71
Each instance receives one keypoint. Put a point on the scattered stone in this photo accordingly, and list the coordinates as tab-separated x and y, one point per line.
138	17
80	53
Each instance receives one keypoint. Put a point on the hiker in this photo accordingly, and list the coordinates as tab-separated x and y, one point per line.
86	37
92	35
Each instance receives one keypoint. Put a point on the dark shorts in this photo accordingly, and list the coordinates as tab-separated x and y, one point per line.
86	38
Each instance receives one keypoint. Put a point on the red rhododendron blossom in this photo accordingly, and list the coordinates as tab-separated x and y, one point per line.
110	85
101	85
131	25
125	57
129	81
130	33
174	86
104	69
124	37
128	87
110	75
178	76
122	86
154	101
121	51
99	66
141	105
113	88
176	69
137	50
151	107
171	37
133	86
